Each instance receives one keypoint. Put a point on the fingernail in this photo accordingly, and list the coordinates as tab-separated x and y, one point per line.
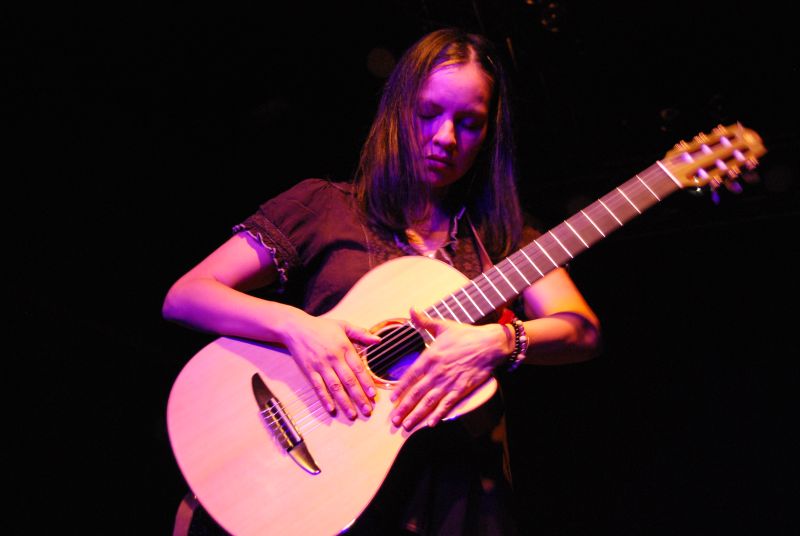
396	421
407	425
371	392
352	413
431	423
366	410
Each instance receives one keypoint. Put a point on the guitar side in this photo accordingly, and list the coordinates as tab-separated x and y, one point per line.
228	456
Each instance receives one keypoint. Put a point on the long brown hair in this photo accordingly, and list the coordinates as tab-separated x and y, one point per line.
387	185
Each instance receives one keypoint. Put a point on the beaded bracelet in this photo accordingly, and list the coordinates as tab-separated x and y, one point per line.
517	356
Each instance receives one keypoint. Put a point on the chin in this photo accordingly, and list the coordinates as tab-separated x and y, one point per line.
439	180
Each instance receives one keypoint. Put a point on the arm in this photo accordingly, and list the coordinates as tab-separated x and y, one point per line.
562	329
213	297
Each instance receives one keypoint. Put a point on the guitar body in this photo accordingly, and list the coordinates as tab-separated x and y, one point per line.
229	457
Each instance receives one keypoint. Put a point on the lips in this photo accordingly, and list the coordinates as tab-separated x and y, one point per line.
438	161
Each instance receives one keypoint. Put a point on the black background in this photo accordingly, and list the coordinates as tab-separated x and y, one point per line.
141	133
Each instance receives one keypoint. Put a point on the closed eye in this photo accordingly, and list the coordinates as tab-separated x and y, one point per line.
472	123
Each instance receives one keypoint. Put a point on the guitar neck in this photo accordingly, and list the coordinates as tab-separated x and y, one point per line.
508	278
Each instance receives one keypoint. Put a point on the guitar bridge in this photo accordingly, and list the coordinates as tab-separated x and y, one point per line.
283	429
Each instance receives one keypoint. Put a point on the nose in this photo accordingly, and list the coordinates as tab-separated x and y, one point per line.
445	136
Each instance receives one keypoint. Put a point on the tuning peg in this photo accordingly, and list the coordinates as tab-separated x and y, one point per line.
681	146
720	129
734	187
714	185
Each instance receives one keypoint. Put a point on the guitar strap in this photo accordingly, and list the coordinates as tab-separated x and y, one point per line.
479	420
486	261
505	314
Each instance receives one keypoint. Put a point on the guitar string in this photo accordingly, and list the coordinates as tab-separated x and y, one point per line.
381	359
376	361
316	408
495	275
386	353
393	347
290	404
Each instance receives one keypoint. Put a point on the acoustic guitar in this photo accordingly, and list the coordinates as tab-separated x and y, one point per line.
264	457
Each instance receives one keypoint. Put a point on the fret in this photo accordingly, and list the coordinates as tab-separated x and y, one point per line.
599	230
571	256
502	298
576	233
453	315
568	239
471	320
481	314
491	304
516	279
557	255
555	264
648	188
531	262
611	212
628	199
511	262
602	217
639	194
668	174
499	271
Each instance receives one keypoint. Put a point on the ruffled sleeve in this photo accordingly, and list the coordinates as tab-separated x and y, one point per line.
288	224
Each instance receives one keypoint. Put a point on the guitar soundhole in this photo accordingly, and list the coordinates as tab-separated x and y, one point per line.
399	347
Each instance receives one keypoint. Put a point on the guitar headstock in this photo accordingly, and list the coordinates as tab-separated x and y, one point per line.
716	158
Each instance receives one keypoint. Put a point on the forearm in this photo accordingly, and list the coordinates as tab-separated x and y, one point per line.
208	305
561	338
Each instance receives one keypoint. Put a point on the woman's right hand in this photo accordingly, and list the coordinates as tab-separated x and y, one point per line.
324	350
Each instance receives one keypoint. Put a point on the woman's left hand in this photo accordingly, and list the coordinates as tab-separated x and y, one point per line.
460	359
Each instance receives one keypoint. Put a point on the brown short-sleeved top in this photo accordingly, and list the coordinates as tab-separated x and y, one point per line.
322	245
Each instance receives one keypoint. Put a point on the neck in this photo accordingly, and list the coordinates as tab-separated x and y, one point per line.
436	219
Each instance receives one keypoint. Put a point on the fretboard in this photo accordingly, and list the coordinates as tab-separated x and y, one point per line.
511	276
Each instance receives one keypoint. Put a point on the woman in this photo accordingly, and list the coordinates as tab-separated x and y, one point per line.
436	178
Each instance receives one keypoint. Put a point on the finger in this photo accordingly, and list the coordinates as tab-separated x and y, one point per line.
410	377
423	321
338	391
462	387
359	335
352	383
426	403
322	391
446	404
356	362
409	400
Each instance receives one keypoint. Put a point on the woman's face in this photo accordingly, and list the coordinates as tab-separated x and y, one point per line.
452	121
